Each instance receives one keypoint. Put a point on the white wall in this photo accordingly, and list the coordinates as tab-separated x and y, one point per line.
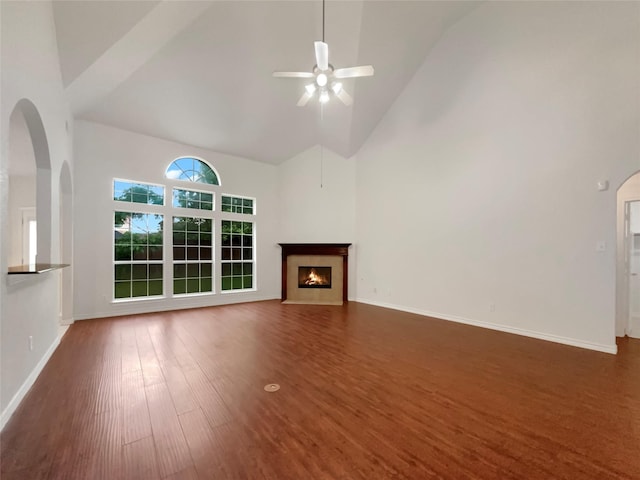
30	69
317	197
476	194
317	201
103	153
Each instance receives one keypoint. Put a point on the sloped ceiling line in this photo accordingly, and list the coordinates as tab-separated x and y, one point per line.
199	72
131	51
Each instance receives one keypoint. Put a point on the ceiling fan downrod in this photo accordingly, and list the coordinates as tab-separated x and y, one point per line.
323	21
325	77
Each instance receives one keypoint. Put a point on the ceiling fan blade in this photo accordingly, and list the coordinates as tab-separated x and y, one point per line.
294	74
344	97
306	96
351	72
322	55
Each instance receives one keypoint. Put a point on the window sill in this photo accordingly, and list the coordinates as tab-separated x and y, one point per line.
35	268
194	294
239	290
138	299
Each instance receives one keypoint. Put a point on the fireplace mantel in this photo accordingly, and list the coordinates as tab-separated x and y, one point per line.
338	249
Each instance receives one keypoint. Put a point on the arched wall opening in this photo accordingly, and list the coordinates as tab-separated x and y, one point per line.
29	302
29	172
628	257
22	192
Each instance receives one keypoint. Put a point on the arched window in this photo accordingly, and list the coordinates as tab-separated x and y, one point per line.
143	214
192	169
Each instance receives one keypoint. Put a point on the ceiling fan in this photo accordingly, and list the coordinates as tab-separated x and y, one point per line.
326	79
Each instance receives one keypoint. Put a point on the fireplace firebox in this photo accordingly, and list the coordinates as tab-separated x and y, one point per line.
297	257
314	277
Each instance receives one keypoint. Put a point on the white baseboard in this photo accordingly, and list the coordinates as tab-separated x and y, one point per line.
66	322
613	349
28	383
134	308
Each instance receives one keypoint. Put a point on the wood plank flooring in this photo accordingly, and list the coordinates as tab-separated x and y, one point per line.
366	393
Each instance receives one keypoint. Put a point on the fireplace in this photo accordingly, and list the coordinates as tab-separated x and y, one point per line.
314	277
315	273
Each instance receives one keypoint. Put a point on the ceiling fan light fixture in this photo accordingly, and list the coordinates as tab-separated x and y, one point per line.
321	79
324	75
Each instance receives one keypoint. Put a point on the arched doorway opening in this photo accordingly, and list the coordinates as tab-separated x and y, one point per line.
29	172
628	258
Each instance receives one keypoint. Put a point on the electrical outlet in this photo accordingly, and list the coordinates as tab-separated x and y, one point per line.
30	343
492	307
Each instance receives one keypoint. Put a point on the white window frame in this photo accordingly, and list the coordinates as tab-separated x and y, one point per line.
135	182
132	262
197	262
254	282
243	197
209	192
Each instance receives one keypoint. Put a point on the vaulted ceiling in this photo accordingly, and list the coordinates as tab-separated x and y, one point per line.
199	72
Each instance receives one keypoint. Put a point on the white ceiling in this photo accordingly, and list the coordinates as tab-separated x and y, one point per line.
199	72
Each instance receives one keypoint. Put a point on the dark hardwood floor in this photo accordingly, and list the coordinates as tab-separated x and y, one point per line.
366	393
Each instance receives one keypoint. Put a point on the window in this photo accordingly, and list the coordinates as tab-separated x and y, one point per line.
237	255
192	170
140	244
192	199
236	205
137	254
192	255
125	191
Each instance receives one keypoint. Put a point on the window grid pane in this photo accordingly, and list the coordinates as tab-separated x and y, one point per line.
236	205
183	198
192	169
192	255
138	255
139	241
237	255
149	194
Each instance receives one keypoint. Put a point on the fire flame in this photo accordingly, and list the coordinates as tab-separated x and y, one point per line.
315	279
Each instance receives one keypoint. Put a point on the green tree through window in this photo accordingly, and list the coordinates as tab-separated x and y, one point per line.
192	170
183	198
138	254
140	262
192	255
149	194
237	255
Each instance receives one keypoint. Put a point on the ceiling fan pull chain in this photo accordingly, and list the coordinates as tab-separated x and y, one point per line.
321	165
321	143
